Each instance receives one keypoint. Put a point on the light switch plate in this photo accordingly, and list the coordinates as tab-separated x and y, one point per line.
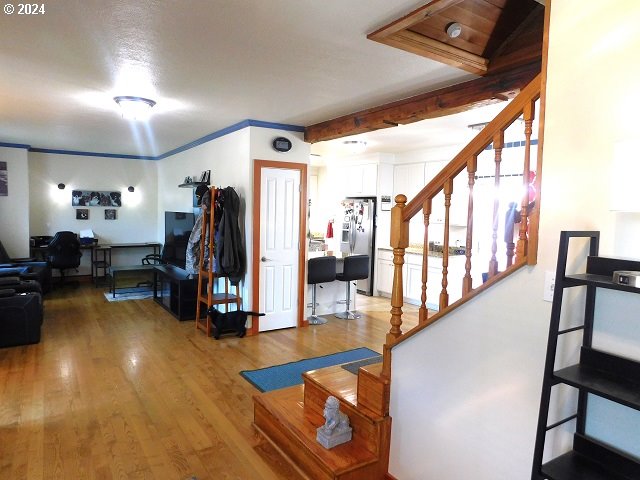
549	285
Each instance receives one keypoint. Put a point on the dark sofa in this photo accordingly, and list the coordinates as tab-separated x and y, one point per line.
25	269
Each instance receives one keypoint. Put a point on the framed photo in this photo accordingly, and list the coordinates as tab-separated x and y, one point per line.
205	176
93	198
82	214
110	214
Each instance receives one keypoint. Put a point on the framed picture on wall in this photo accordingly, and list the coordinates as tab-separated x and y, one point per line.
4	181
110	214
82	214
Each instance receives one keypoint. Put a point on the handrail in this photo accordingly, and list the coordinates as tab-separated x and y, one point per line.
493	133
512	111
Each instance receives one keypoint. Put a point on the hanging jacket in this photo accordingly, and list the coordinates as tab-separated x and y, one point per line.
230	253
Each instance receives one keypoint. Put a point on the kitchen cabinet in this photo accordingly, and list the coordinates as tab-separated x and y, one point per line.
361	180
408	179
412	277
384	272
459	198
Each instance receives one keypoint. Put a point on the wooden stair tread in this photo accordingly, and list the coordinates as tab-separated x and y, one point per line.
286	407
337	381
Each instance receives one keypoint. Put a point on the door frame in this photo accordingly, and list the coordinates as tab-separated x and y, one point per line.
258	165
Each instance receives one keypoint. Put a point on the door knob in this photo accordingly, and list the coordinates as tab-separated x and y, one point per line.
265	259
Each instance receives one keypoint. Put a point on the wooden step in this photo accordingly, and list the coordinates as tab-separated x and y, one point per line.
368	391
281	418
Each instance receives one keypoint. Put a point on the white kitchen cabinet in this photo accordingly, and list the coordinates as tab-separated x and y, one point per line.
384	272
413	278
408	179
361	180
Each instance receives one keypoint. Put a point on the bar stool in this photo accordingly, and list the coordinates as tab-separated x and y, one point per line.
356	267
320	270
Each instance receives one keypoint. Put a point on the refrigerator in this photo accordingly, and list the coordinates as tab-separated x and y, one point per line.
358	234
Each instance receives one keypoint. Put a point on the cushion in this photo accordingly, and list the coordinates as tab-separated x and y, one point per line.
9	281
13	271
7	292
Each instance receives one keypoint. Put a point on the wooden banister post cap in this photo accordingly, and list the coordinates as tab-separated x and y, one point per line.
401	199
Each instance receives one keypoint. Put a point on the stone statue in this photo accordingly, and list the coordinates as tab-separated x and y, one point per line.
336	429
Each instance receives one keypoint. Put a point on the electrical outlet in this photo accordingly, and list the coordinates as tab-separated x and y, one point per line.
549	285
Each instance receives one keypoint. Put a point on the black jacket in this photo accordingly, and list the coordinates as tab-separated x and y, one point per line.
230	253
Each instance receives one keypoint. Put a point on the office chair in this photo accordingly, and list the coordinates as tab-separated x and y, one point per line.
64	252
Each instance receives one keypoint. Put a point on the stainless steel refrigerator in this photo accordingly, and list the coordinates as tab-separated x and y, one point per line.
358	234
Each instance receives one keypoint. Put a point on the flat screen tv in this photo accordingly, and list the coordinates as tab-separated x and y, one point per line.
177	228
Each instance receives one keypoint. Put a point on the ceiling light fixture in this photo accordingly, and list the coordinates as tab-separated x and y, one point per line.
355	146
134	108
454	30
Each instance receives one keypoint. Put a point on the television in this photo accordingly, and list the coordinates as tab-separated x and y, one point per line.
177	229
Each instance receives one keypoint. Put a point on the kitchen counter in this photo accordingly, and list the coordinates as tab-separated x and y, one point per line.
420	250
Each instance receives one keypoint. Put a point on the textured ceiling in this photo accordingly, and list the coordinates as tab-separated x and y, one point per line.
207	64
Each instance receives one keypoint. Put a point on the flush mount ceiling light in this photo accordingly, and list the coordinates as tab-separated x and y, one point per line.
355	146
134	108
454	30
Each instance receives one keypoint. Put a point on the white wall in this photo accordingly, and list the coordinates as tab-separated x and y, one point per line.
230	159
470	384
51	210
14	208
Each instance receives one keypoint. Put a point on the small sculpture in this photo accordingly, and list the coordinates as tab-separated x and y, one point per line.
336	429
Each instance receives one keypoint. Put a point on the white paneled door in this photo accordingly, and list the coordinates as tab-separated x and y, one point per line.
279	247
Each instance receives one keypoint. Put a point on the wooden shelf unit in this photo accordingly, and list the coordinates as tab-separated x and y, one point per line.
604	374
207	278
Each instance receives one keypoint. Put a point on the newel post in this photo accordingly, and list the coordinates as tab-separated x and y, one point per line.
399	242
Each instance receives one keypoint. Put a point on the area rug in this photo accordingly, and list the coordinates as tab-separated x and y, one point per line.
289	374
129	294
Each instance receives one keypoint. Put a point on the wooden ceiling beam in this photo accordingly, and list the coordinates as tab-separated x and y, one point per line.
445	101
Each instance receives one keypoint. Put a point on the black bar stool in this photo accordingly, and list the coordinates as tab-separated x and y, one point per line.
320	270
356	267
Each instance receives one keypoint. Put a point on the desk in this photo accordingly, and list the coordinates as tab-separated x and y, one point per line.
41	252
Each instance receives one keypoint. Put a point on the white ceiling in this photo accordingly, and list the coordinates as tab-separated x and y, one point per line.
207	64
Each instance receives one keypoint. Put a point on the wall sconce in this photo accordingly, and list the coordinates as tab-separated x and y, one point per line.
131	189
61	186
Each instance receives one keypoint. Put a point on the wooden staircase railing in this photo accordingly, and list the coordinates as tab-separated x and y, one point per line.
523	247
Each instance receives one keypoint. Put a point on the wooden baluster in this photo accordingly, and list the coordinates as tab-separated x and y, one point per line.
523	240
444	295
498	144
423	311
467	281
399	242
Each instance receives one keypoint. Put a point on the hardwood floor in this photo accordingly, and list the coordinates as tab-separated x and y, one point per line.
123	390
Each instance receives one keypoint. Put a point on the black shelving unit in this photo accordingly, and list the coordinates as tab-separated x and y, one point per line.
599	373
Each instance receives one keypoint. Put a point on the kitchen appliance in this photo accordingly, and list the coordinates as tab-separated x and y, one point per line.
358	234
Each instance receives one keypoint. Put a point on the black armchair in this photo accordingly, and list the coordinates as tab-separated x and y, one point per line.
63	252
25	269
